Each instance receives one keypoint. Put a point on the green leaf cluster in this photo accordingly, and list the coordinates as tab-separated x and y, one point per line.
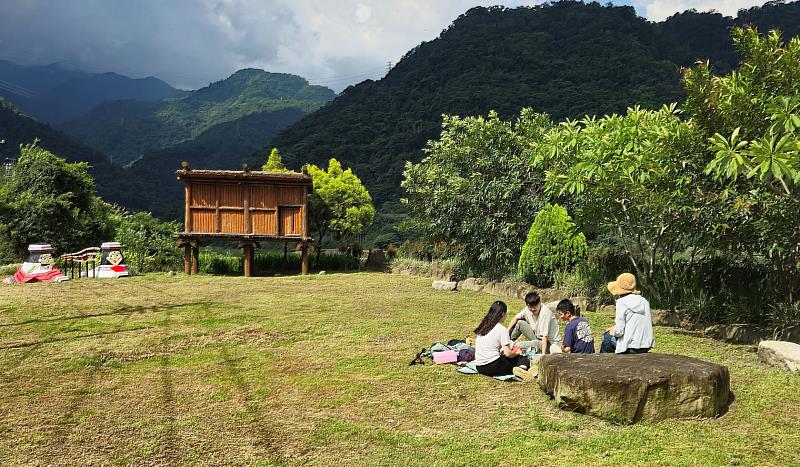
339	203
634	175
274	163
751	122
475	189
554	245
148	242
50	200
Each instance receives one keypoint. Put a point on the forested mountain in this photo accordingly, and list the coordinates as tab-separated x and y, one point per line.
113	184
149	184
567	59
126	130
54	93
224	146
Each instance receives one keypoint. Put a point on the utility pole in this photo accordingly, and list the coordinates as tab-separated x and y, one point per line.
388	67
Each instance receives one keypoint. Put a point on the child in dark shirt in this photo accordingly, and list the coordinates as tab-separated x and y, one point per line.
577	334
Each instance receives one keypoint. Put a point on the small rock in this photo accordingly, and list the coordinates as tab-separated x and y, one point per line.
784	355
472	283
552	306
665	318
444	285
746	334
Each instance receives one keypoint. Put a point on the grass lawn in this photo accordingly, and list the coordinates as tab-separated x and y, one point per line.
287	370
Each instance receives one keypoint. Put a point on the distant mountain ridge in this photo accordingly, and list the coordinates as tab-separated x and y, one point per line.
126	130
54	93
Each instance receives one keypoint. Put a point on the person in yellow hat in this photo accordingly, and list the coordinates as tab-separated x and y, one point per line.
632	331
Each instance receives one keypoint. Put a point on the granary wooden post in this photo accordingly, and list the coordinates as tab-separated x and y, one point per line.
304	258
187	258
247	253
195	257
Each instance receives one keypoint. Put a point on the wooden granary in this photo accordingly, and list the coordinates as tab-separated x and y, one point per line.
245	206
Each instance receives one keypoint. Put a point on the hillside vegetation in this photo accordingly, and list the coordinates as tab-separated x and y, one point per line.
126	130
567	59
223	146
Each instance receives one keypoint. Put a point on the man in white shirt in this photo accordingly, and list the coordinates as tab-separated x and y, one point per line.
538	324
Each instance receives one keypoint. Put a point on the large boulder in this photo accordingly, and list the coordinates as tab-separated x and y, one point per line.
785	355
630	388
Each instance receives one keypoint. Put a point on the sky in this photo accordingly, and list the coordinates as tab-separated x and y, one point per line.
190	43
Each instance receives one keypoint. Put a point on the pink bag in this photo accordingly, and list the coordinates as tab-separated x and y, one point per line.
446	356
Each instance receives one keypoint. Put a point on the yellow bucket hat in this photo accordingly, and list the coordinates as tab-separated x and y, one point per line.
625	283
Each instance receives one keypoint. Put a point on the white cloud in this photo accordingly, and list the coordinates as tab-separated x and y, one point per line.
363	13
659	10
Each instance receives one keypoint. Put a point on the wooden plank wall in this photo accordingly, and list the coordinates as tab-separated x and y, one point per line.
220	208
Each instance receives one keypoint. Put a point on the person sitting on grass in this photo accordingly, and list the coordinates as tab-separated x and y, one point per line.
632	331
538	324
578	336
493	353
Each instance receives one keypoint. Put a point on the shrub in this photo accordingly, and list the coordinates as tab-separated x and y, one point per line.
553	244
270	262
8	269
149	243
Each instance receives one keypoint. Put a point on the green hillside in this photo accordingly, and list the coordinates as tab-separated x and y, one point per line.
224	146
126	130
113	182
567	59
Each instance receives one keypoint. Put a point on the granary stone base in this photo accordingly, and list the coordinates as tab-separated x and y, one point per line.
630	388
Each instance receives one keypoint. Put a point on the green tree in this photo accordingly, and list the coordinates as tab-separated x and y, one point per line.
274	163
634	175
50	200
149	243
554	244
751	119
339	204
475	190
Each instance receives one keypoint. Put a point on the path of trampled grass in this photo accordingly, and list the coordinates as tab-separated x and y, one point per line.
227	370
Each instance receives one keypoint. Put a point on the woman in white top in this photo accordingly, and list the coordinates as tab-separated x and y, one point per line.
493	353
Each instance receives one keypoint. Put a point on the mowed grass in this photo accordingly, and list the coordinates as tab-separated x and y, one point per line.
298	370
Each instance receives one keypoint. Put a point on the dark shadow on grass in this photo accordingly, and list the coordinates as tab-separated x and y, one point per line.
71	338
127	310
169	448
266	436
727	408
66	423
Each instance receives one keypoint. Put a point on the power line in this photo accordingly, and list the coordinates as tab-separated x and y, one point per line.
17	89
